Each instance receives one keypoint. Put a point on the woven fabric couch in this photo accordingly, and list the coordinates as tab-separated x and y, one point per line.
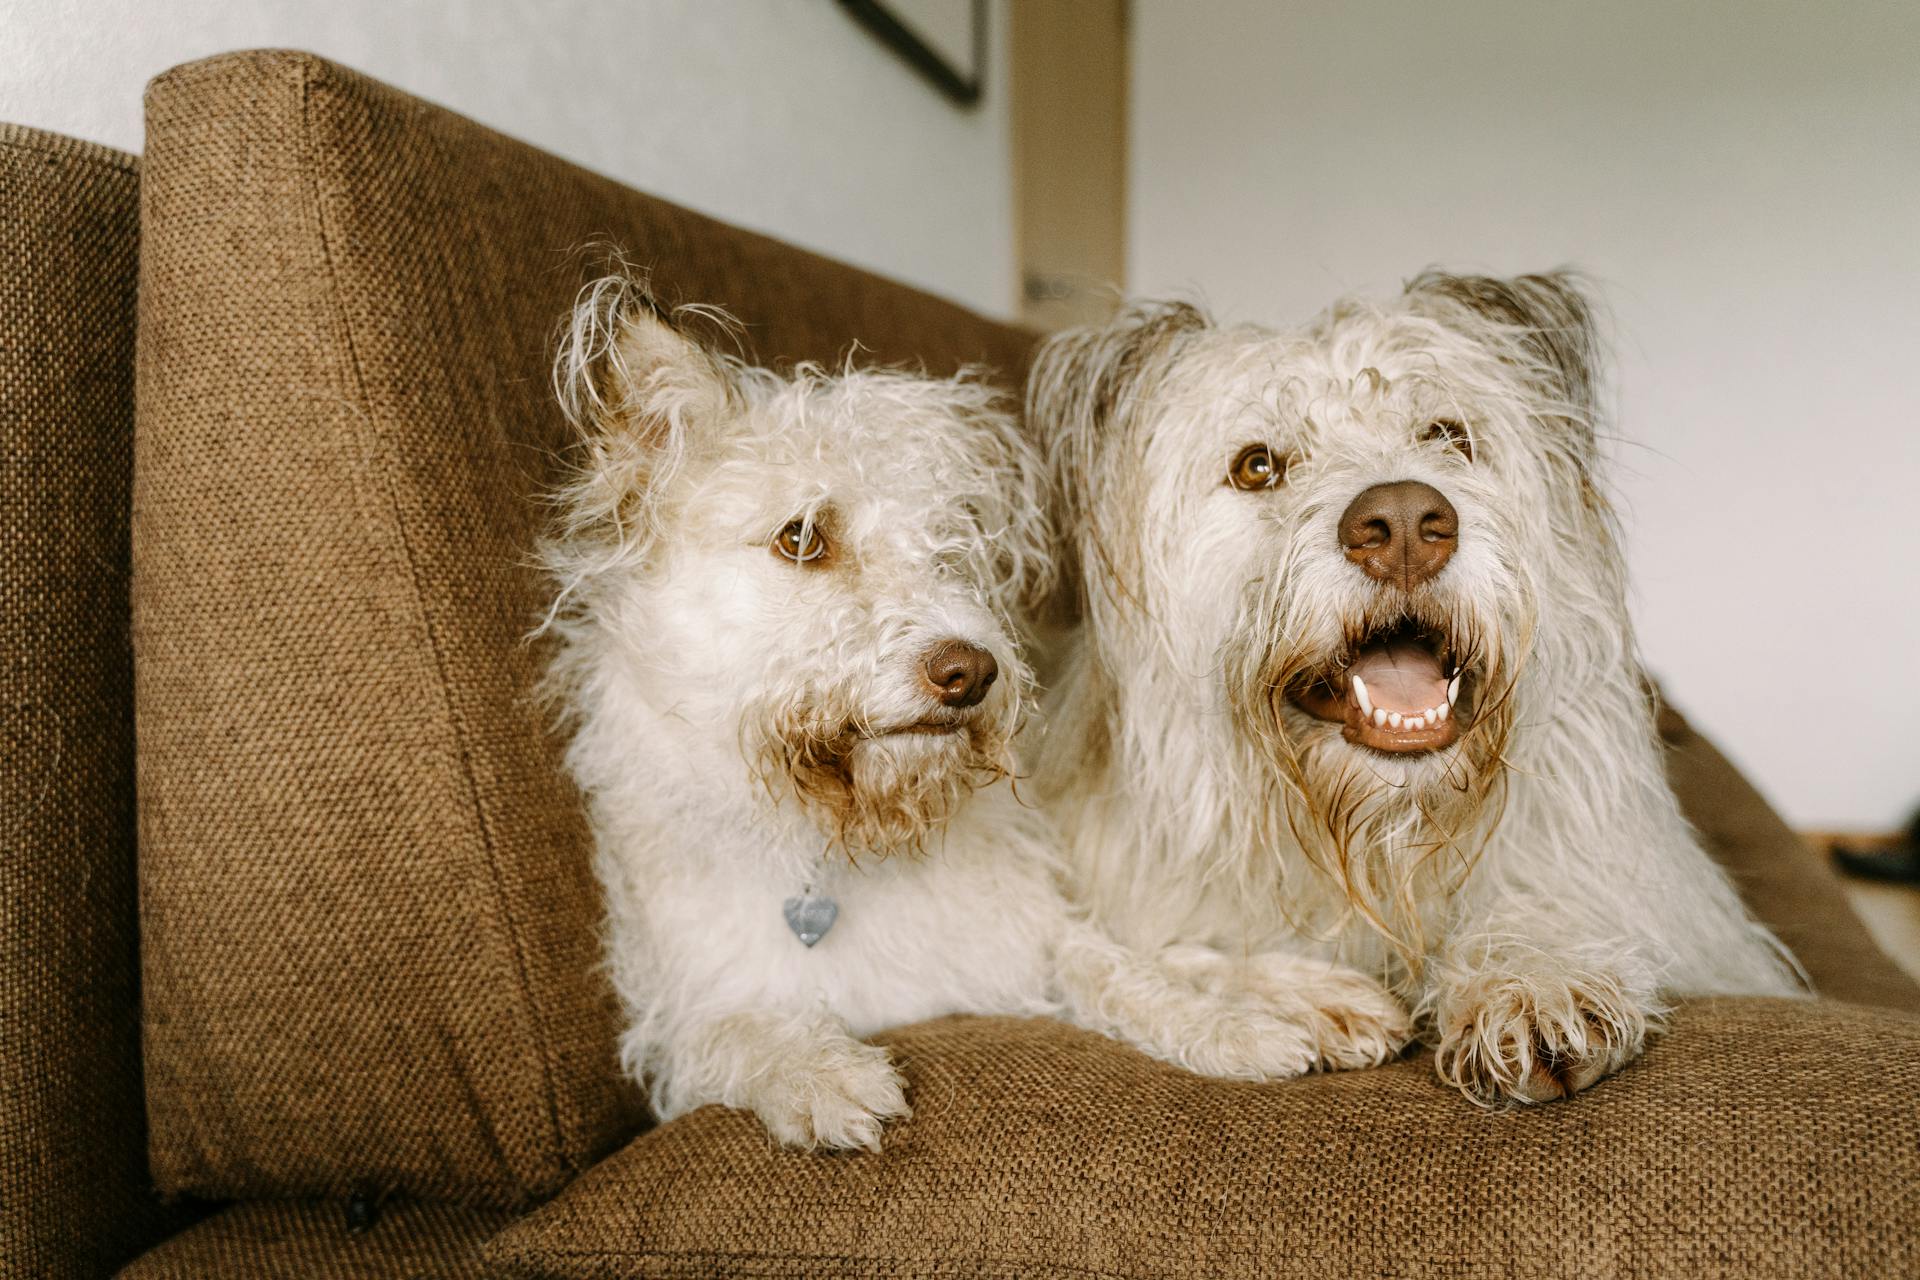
297	931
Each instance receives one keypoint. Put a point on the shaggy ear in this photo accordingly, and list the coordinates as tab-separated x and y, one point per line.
1551	318
625	369
640	392
1025	541
1086	383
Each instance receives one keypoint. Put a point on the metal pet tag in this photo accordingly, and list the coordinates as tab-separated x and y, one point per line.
810	916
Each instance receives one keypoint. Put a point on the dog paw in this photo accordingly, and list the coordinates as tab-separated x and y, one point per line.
1353	1020
840	1099
1507	1037
1239	1041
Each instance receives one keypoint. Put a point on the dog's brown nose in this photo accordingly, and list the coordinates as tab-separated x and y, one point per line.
960	673
1404	532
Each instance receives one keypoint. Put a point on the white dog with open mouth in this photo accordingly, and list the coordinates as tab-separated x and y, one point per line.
786	609
1356	679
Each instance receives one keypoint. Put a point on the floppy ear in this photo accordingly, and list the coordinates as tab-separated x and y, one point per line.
640	392
1027	541
626	369
1547	319
1084	389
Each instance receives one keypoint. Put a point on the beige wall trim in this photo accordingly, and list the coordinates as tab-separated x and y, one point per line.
1069	108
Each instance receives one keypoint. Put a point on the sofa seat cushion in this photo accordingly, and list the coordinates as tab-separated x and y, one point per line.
370	929
311	1240
1758	1138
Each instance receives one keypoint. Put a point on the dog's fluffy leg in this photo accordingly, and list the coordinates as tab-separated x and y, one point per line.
1526	1021
1593	905
810	1082
1271	1020
1355	1021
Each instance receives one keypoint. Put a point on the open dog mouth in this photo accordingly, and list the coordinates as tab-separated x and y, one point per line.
1400	690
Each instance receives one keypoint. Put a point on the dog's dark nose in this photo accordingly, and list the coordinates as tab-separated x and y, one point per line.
960	673
1404	532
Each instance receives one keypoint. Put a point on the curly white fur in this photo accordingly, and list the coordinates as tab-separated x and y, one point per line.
746	726
1532	888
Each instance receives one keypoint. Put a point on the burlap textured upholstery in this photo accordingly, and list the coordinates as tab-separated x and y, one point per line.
370	929
75	1198
1755	1140
310	1240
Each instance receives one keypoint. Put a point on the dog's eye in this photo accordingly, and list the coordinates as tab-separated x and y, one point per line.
1255	467
1454	432
800	542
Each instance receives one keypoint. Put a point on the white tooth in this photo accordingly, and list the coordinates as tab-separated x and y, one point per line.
1393	718
1453	690
1440	713
1427	718
1379	716
1360	695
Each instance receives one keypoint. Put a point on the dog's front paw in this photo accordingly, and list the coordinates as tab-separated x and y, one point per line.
839	1095
1189	1006
1237	1040
1353	1020
1271	1017
1525	1038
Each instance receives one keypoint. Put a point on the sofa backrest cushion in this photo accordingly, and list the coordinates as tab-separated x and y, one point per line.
75	1198
370	926
1784	882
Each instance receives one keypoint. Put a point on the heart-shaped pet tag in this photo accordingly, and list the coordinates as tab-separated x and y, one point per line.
810	916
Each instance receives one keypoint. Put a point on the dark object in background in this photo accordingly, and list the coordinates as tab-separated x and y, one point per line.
1897	863
923	51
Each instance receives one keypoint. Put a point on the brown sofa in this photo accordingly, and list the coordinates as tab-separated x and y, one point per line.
272	568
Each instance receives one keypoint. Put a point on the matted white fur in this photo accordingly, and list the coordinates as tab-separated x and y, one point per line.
1531	889
750	722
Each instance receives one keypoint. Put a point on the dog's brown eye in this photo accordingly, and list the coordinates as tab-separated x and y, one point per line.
800	542
1255	468
1453	432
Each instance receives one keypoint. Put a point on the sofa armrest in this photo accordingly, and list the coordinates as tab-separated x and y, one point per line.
75	1198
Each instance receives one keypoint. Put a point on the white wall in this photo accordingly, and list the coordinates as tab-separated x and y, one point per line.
782	115
1743	178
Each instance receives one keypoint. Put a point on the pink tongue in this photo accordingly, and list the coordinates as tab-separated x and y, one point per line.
1400	676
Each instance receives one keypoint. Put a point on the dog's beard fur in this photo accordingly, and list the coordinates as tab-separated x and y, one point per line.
1394	835
875	794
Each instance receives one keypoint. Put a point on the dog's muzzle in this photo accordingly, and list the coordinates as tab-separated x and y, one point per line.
1400	689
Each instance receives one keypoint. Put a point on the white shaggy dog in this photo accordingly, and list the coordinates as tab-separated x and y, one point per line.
786	611
1356	679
